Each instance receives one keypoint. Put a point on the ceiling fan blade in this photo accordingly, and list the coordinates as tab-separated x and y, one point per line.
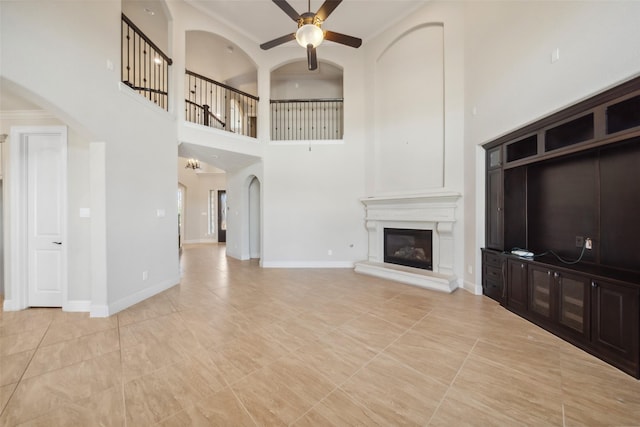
327	7
288	9
312	58
278	41
342	39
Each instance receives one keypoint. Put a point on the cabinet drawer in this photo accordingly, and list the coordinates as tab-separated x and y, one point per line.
493	273
493	259
493	289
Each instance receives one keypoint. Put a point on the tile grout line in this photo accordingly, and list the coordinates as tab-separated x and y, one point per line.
124	400
331	330
560	364
226	382
363	366
464	362
25	369
244	408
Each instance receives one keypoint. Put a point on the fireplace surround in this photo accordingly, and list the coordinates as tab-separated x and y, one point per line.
434	211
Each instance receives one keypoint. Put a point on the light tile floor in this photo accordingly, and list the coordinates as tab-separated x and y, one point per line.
237	345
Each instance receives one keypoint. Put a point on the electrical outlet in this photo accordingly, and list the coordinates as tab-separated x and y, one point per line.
579	241
588	243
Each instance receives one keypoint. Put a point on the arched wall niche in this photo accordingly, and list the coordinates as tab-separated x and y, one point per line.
203	53
409	112
292	80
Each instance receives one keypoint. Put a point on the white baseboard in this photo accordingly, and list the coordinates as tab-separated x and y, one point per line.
77	306
99	311
10	305
196	241
472	287
139	296
307	264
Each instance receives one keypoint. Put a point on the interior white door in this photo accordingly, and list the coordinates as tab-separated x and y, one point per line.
46	177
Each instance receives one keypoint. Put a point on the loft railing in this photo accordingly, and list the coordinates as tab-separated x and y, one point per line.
145	68
214	104
306	119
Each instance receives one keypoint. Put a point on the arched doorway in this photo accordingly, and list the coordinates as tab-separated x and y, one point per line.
181	196
254	218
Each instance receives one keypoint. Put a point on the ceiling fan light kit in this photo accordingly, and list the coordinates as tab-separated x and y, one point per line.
310	34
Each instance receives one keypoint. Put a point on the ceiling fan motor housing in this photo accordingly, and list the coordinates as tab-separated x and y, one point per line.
310	34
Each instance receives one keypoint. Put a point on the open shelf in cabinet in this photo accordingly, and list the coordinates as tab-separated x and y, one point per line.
572	132
623	115
523	148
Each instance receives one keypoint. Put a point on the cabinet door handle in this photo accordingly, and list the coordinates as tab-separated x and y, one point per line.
556	274
548	273
594	284
521	265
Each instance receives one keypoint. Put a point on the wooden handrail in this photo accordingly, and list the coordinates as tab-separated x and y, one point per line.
285	101
146	39
145	89
232	89
206	110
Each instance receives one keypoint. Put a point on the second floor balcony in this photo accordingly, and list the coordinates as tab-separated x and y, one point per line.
217	105
207	102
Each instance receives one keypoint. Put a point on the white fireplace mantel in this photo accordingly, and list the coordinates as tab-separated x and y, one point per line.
434	211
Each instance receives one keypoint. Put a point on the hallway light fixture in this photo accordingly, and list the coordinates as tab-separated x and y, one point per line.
193	164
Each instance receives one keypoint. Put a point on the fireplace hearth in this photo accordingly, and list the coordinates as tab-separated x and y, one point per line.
408	247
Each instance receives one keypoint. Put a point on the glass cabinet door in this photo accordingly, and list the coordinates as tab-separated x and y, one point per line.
495	157
572	301
540	297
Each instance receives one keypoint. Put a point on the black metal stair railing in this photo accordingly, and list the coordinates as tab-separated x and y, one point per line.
145	68
214	104
307	119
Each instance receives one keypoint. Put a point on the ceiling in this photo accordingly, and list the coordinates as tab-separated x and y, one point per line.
262	20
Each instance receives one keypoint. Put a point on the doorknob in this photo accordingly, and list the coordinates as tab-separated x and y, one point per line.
57	243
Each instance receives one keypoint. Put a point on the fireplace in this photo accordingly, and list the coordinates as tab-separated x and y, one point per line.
433	213
408	247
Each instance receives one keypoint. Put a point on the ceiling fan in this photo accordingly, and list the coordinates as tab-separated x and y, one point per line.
310	34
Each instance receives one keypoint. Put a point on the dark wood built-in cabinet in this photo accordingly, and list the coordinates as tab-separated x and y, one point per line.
517	285
493	274
560	299
495	227
615	326
551	187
